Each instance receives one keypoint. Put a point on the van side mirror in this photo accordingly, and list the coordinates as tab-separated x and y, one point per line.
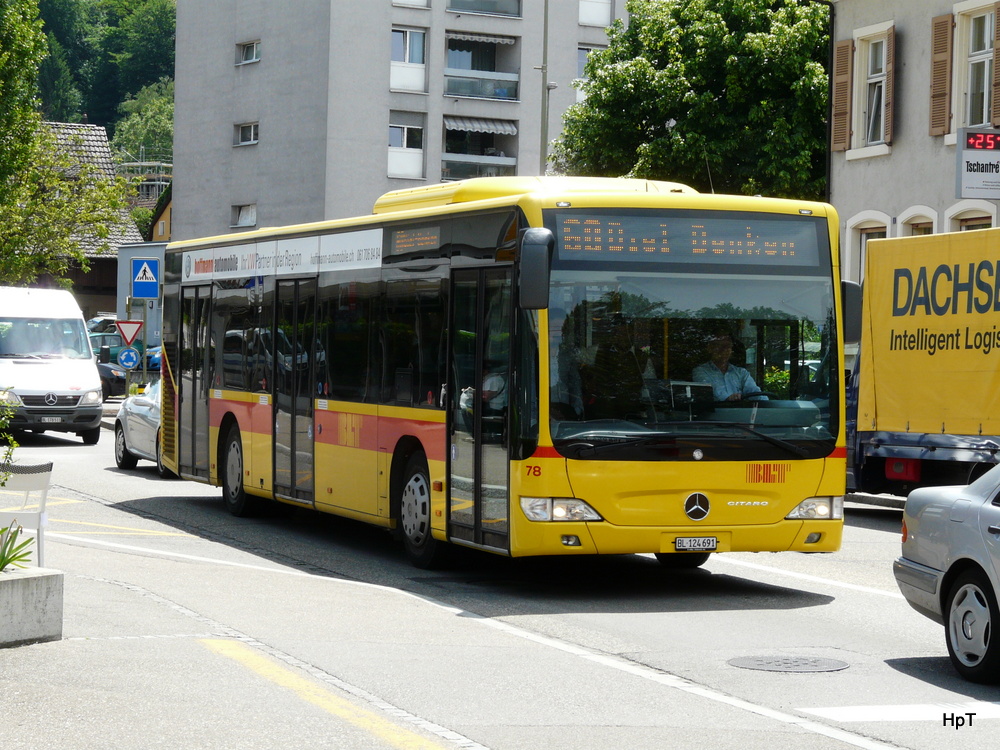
850	297
533	279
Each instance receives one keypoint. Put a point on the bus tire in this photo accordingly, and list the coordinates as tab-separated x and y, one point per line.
414	515
238	502
682	560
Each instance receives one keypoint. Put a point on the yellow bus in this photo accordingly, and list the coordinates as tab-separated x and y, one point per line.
524	366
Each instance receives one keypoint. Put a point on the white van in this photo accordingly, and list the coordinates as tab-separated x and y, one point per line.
48	374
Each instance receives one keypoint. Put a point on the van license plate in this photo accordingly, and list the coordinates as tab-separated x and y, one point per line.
700	543
51	420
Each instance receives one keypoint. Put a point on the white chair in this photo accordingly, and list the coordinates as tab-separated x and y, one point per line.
27	479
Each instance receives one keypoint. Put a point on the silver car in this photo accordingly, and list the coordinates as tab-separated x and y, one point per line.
950	569
137	430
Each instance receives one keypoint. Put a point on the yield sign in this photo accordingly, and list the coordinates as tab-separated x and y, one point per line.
129	329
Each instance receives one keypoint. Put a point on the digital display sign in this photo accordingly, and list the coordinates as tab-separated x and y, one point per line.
982	141
705	237
415	239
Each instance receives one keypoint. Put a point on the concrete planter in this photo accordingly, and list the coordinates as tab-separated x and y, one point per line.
31	605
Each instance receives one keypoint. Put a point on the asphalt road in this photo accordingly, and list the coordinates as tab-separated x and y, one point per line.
185	627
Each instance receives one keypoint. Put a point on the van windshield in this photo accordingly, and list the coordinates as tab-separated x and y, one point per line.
43	338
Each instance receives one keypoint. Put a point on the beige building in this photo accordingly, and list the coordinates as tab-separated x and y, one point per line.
909	78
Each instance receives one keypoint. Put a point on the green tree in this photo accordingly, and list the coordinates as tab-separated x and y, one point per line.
61	100
22	47
57	209
146	132
724	95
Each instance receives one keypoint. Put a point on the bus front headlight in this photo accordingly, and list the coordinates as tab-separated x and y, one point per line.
558	509
818	509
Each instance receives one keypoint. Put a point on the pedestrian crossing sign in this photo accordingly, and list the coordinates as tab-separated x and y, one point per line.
145	278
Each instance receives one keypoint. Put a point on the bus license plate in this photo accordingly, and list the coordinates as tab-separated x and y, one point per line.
700	543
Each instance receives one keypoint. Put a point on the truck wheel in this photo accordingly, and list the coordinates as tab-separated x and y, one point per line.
414	515
971	614
238	502
90	437
123	457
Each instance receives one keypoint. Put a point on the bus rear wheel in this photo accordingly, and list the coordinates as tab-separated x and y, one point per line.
682	560
238	502
414	515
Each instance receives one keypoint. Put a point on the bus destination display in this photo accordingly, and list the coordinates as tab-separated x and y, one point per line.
686	238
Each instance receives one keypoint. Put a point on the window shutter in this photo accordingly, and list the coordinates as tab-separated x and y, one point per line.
890	87
840	109
995	109
941	41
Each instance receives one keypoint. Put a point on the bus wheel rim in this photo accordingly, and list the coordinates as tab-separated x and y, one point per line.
415	508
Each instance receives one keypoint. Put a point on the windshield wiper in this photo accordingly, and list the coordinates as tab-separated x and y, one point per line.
789	446
584	449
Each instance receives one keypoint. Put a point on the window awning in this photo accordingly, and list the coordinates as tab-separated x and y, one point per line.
480	125
479	38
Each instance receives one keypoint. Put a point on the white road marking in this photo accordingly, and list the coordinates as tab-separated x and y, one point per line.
806	577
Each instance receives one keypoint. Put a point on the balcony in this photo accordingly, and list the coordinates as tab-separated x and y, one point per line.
464	166
480	84
493	7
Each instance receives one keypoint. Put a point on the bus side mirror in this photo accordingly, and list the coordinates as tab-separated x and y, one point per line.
850	297
533	280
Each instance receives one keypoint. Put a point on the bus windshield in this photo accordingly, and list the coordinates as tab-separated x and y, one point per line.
683	335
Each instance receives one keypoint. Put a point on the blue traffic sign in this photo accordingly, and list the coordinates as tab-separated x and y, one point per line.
128	358
146	278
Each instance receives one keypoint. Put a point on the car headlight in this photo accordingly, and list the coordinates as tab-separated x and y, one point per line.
91	397
818	509
558	509
9	398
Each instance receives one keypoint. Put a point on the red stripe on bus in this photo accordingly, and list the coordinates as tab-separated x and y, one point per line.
546	451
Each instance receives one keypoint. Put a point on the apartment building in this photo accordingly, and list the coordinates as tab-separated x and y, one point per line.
909	78
288	113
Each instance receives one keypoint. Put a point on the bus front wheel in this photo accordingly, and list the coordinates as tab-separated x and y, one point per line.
238	502
414	515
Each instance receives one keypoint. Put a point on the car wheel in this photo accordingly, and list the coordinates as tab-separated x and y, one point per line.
971	614
161	469
682	560
91	437
123	457
238	502
414	515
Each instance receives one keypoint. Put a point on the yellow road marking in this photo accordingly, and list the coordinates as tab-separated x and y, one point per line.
48	503
310	692
120	529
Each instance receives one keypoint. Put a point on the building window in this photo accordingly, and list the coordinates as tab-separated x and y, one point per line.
407	70
980	70
246	134
582	54
244	216
481	66
974	222
493	7
248	52
595	12
863	77
406	145
408	46
875	105
478	147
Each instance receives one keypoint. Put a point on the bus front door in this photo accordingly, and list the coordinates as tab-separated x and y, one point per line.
479	370
293	350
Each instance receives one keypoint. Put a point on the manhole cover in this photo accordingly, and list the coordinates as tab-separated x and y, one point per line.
788	664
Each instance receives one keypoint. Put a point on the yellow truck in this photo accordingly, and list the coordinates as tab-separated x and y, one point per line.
924	399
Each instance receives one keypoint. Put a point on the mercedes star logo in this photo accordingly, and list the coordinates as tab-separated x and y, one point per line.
51	399
696	506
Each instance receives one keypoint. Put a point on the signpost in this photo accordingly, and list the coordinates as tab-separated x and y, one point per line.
978	169
145	286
